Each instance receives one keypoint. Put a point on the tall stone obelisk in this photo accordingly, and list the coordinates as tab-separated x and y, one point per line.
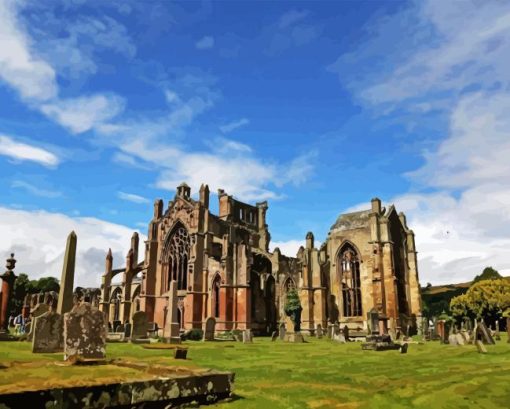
65	296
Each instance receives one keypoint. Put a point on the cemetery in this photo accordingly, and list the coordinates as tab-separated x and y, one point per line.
69	356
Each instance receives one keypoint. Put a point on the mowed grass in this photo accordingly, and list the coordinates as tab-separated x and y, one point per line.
318	374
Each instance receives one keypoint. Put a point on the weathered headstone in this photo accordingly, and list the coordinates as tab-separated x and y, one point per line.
127	329
180	353
48	333
171	330
452	339
274	336
282	331
480	347
84	333
460	338
247	336
120	328
336	328
209	328
404	347
37	311
330	331
139	326
345	332
318	332
115	324
65	296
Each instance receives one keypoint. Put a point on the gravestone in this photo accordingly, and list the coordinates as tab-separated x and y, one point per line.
336	328
37	311
483	334
480	347
452	339
209	328
460	337
330	331
127	330
120	328
319	331
171	330
247	336
497	334
373	322
345	333
65	296
404	347
140	325
274	336
48	333
115	324
180	353
282	331
84	334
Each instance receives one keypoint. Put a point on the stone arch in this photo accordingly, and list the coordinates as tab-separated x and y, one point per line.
348	267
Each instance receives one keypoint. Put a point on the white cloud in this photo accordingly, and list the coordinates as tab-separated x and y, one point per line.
292	17
37	191
22	151
231	126
130	197
470	46
83	113
172	97
287	248
205	43
22	69
34	78
290	31
38	239
290	248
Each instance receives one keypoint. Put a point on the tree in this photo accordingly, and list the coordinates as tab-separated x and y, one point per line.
24	286
487	299
488	273
20	290
45	284
293	309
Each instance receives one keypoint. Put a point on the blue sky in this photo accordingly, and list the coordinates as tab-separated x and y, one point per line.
314	106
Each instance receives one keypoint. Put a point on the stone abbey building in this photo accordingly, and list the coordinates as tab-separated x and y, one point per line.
224	269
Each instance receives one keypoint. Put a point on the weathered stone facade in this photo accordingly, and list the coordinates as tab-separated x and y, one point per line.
224	269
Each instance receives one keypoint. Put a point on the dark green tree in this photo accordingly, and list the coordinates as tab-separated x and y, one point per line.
24	286
293	309
488	273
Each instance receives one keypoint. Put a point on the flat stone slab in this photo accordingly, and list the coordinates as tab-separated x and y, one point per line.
157	385
380	346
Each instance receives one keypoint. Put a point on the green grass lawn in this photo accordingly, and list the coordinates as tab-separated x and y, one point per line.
323	374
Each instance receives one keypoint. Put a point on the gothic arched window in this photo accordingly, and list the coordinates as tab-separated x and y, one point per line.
351	281
176	256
